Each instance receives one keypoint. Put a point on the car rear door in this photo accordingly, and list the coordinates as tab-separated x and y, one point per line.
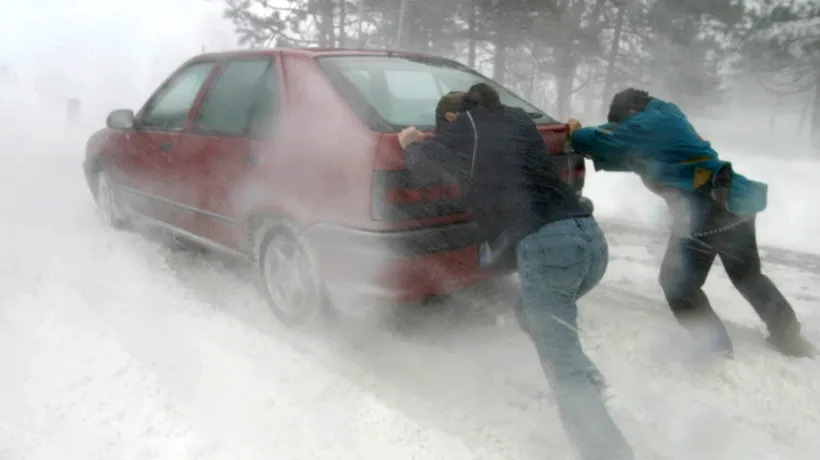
231	127
149	154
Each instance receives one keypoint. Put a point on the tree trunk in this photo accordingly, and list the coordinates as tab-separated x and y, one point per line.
400	28
613	58
565	68
815	119
773	116
590	96
329	16
804	115
361	39
533	75
324	21
566	60
499	60
472	19
342	21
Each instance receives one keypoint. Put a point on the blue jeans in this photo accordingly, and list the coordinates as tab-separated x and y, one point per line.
557	265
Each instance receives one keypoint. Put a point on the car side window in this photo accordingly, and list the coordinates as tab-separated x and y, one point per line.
243	96
168	110
264	112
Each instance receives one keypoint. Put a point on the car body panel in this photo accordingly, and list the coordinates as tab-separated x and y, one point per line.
316	170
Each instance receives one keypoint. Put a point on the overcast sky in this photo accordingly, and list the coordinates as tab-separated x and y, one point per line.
107	52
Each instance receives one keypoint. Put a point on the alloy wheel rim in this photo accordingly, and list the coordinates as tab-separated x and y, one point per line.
288	277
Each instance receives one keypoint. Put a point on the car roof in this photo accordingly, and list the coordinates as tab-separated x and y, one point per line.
310	52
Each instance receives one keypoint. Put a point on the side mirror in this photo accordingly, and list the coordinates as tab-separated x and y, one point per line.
120	119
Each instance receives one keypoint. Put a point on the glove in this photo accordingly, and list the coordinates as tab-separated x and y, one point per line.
574	124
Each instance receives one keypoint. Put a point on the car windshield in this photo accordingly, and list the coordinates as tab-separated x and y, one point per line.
404	90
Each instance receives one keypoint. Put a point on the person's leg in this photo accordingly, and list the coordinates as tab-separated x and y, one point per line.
684	270
598	265
600	255
553	264
737	248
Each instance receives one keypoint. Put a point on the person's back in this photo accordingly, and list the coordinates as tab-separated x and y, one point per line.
514	184
655	139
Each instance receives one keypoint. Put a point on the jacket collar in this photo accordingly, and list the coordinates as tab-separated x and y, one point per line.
654	104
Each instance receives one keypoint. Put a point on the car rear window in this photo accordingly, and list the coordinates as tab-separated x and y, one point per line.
404	91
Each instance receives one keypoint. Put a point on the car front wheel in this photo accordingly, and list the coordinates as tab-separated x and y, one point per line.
108	205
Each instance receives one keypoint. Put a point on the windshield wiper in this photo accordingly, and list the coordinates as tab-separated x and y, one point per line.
535	115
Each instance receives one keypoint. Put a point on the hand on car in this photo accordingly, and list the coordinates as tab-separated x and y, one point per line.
409	135
574	124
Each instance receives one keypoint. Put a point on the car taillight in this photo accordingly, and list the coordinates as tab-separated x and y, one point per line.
398	195
580	171
432	193
405	196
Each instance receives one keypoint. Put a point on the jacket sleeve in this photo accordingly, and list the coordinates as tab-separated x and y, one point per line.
612	147
450	149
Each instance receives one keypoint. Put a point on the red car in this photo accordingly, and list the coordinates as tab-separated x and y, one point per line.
289	158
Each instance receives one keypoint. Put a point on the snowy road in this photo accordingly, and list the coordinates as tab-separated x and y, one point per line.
114	347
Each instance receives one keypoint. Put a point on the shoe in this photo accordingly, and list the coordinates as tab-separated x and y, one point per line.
710	336
605	391
793	345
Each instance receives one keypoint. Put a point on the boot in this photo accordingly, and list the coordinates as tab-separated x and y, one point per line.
790	342
605	390
709	331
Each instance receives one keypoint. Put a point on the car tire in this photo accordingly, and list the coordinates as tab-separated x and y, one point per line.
288	276
108	203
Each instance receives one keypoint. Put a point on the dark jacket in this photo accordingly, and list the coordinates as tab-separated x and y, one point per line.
512	186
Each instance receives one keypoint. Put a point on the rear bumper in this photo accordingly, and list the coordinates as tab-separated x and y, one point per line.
404	266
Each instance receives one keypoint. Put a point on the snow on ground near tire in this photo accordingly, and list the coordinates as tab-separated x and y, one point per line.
106	356
116	347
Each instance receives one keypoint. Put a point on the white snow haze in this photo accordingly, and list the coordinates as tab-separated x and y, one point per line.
113	346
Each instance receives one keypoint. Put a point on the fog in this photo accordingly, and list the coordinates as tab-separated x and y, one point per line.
113	54
116	346
107	54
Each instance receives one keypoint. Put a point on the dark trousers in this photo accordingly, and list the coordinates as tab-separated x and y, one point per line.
688	260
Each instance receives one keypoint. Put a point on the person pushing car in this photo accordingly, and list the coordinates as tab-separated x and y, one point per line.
713	215
532	220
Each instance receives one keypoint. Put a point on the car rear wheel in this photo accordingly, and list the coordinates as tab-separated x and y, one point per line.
108	205
289	279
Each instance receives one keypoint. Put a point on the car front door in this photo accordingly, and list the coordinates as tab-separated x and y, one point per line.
229	131
159	133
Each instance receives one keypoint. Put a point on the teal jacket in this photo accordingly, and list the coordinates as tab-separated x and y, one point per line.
661	146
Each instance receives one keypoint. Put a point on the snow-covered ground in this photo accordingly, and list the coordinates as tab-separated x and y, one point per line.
792	219
113	346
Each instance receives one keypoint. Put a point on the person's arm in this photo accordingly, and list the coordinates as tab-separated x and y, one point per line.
612	146
445	149
424	152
